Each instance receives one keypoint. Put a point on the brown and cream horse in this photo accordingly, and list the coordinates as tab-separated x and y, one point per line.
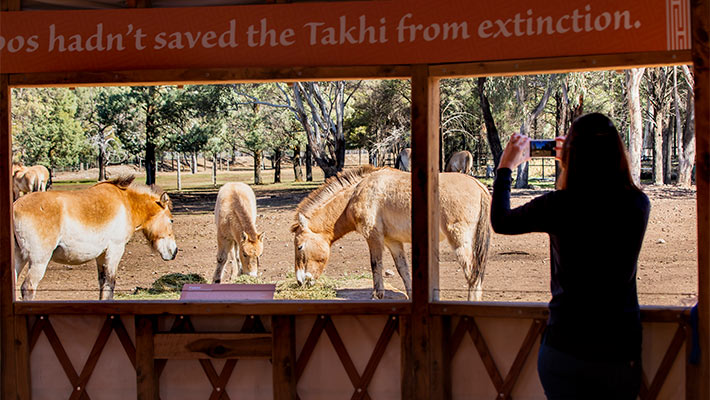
376	202
238	243
461	161
29	179
74	227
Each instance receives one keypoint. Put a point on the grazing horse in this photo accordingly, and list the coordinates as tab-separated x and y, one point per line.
235	216
376	202
29	179
403	160
74	227
461	161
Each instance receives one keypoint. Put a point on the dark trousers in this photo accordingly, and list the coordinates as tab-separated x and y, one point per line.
564	376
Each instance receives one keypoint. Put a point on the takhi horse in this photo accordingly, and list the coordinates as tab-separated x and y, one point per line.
376	202
461	161
29	179
74	227
403	159
235	216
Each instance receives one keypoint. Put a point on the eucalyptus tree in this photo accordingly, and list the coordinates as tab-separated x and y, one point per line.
101	110
46	128
382	109
686	153
633	101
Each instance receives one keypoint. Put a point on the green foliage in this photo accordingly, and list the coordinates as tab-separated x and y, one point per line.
46	130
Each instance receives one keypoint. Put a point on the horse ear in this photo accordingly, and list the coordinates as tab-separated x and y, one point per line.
303	221
244	237
164	201
260	236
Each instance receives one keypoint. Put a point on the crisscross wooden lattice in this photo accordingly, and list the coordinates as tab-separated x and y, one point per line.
651	391
183	324
504	386
78	381
360	382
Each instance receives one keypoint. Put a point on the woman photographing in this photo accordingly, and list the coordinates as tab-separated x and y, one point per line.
596	221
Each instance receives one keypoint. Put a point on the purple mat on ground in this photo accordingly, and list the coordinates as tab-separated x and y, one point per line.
227	292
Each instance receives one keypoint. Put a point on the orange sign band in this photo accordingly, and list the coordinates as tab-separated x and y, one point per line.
383	32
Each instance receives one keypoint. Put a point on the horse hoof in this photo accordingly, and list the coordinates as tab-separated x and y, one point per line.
378	295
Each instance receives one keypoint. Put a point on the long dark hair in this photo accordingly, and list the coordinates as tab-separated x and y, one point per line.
593	154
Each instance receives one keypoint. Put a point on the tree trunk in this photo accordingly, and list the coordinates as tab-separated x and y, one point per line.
658	147
102	164
179	176
309	164
686	157
491	130
633	100
149	163
193	170
258	160
150	136
522	177
297	170
214	170
277	165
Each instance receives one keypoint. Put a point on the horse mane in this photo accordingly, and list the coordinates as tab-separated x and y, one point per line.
126	182
332	186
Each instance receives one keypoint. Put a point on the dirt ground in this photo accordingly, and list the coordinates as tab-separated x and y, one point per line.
518	268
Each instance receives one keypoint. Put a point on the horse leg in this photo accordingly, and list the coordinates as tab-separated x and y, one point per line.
224	248
19	260
107	265
375	245
462	244
400	261
35	273
233	264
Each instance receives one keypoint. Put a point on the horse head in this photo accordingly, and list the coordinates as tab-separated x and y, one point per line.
312	252
250	250
158	228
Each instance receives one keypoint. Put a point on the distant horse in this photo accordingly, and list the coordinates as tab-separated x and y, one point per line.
403	160
29	179
461	161
376	202
235	216
74	227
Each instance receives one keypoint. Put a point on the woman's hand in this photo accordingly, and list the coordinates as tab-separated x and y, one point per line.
516	152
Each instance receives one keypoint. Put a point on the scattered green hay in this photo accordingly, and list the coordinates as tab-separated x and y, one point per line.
323	289
167	287
248	280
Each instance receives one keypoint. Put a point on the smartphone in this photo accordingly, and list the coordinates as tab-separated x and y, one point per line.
542	148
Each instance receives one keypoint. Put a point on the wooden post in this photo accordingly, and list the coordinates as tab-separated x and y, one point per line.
146	378
7	274
701	26
425	221
284	357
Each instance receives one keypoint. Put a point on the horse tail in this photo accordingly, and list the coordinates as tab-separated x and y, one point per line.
482	242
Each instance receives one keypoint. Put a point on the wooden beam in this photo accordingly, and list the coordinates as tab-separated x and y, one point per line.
7	274
334	307
284	357
22	358
195	346
701	26
561	64
205	76
425	221
146	378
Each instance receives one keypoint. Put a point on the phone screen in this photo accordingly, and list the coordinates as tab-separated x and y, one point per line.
542	148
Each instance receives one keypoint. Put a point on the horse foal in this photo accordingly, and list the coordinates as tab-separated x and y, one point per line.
235	216
74	227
